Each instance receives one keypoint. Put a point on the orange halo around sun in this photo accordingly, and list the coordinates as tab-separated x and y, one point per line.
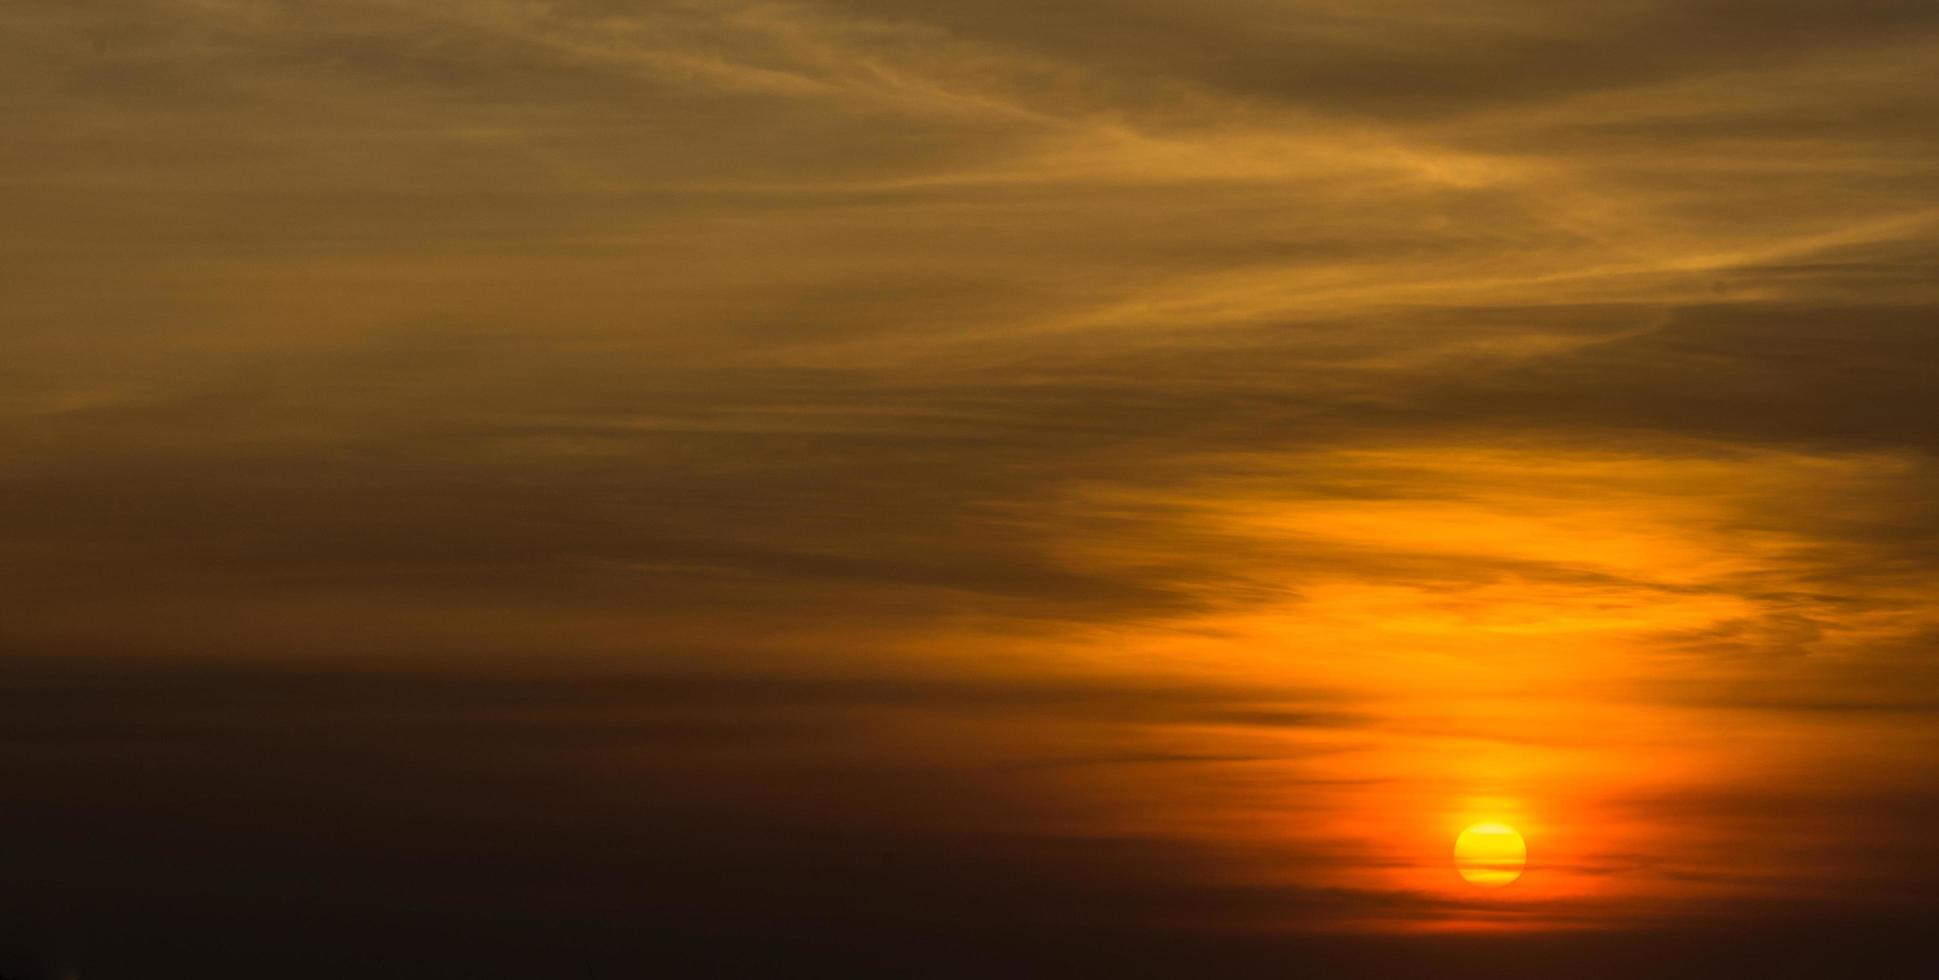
1490	854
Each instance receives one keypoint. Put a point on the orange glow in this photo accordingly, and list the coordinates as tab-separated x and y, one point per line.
1511	629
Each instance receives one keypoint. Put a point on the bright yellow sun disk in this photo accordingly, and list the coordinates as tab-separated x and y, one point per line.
1490	854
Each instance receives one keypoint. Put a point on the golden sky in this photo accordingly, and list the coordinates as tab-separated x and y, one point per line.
1172	465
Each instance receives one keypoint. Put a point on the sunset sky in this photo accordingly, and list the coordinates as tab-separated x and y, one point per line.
626	488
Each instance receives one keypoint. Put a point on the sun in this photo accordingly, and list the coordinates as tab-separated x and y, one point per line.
1490	854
